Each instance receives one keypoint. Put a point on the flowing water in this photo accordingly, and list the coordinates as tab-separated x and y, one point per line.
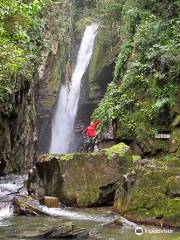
66	109
15	227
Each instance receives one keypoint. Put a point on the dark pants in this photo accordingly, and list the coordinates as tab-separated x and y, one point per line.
91	143
87	144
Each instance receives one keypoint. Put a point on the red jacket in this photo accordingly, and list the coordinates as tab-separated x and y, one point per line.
91	129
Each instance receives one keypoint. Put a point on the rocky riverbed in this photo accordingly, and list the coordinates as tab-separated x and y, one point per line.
140	195
97	221
142	190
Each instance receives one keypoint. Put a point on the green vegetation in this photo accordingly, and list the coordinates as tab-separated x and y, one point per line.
67	157
20	43
136	158
121	149
143	95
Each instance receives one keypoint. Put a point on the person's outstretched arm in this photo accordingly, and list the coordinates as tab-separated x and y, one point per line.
96	123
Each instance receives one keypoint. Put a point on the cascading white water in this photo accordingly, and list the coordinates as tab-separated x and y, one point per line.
66	110
10	185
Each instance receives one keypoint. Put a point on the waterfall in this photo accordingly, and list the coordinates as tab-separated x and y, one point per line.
66	109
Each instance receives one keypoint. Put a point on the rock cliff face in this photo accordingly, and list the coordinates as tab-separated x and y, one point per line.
57	66
58	59
54	73
17	130
99	73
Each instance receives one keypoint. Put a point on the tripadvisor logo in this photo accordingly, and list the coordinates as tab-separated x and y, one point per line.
139	231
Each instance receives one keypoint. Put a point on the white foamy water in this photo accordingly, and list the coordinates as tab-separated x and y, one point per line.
66	109
81	216
76	215
127	223
9	187
6	212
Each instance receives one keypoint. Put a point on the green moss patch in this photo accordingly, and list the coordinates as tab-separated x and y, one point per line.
156	192
121	149
136	157
67	157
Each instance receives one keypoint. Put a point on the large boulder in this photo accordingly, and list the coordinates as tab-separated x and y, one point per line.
81	179
151	194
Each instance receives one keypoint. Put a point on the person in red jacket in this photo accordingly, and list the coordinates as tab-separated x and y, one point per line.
90	132
91	129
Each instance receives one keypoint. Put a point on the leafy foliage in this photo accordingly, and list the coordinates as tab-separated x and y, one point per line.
20	42
143	93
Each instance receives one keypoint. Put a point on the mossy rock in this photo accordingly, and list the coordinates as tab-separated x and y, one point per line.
174	145
173	211
121	149
176	122
155	193
173	186
136	157
170	161
147	203
83	179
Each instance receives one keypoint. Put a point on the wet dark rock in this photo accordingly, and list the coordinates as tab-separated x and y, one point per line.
17	129
26	206
117	221
126	186
65	230
120	221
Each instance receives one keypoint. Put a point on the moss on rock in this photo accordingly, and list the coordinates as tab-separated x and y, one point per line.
174	145
83	179
155	193
173	186
67	157
121	149
136	157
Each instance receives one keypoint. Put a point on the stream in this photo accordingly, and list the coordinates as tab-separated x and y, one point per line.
94	219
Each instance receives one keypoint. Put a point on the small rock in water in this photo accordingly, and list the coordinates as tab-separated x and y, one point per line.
50	202
26	206
121	221
65	230
117	221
